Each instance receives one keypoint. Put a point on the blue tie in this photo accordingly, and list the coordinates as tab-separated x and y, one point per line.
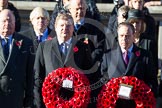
64	48
77	26
40	38
5	45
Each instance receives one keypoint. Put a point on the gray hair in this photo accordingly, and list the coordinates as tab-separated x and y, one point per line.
39	11
82	2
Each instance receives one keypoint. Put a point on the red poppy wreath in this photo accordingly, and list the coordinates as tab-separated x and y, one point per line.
64	77
141	93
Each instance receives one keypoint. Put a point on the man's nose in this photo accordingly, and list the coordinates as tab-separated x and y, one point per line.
7	22
125	38
65	27
79	11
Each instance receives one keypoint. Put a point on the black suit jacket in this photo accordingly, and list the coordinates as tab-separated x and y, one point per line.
150	45
48	58
16	75
30	33
94	28
140	65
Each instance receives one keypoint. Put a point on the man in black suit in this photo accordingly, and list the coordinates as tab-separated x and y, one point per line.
62	6
15	70
137	62
83	25
39	32
62	51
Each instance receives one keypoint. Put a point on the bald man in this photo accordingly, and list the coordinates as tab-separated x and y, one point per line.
15	71
5	4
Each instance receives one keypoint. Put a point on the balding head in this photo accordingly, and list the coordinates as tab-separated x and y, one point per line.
77	9
7	22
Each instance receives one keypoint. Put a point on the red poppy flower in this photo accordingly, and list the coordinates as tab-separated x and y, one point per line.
49	38
141	93
53	83
19	43
86	40
75	49
137	53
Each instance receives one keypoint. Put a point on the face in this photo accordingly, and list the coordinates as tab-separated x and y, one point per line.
137	25
126	2
121	18
64	29
3	3
7	22
66	2
137	4
77	10
39	23
125	37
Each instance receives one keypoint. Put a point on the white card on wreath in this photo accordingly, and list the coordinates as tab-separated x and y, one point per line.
67	84
125	91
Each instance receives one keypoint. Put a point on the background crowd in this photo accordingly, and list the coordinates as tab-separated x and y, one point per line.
73	36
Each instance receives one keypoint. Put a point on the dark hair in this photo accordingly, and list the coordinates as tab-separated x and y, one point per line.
126	24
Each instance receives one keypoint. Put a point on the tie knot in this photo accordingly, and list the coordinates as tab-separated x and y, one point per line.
126	53
77	26
39	38
5	41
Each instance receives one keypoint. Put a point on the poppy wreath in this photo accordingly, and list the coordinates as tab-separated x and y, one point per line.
141	93
53	83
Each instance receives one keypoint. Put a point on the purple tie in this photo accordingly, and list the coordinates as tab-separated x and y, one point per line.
126	58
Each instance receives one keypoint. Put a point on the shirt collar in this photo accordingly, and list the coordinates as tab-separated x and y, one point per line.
129	49
81	22
67	42
8	37
45	32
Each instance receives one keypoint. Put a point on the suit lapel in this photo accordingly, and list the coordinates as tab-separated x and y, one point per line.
34	38
134	57
15	48
121	65
1	54
117	66
55	49
13	53
70	51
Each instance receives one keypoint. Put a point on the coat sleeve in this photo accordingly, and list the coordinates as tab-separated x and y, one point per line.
39	75
104	69
151	74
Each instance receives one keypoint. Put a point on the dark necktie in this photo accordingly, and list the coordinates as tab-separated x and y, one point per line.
40	38
77	26
5	45
63	51
126	57
64	48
